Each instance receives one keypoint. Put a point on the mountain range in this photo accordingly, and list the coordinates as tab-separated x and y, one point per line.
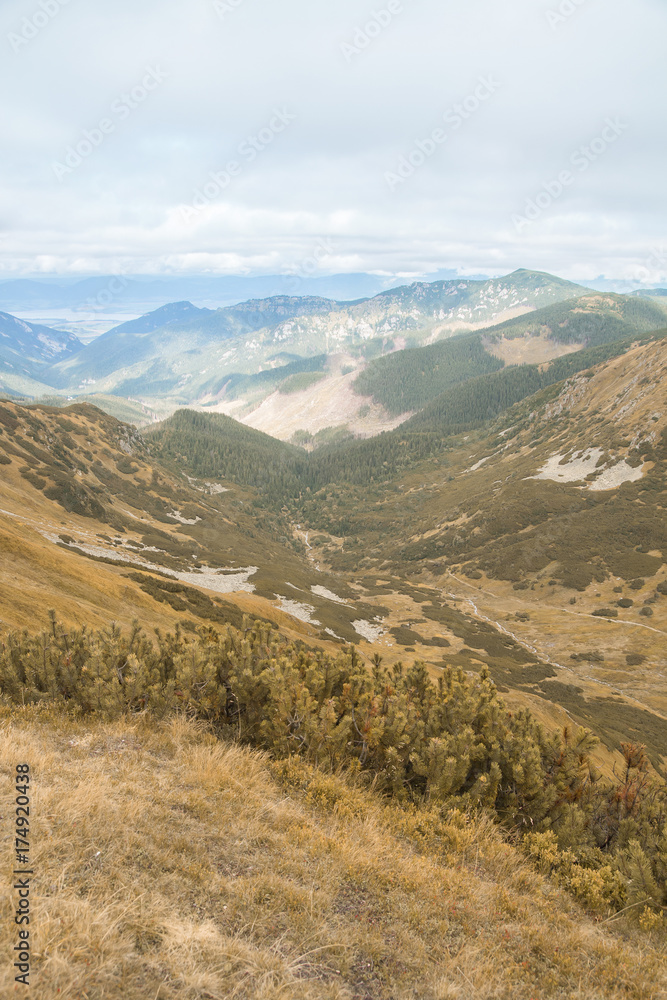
138	293
448	637
302	366
305	367
152	348
29	349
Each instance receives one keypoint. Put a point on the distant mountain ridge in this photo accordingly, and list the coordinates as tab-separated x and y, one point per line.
651	293
412	343
187	357
439	307
173	312
27	349
161	350
137	293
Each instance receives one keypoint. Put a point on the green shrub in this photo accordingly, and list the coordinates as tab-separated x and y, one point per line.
447	745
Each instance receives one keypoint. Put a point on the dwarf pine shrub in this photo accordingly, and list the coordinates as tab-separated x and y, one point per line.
450	745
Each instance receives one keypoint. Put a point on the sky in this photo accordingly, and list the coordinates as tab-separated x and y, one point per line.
395	137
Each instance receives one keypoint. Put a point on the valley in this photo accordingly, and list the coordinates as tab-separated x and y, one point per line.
465	556
433	583
333	501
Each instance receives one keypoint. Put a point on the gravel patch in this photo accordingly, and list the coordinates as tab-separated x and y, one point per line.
304	612
372	633
330	596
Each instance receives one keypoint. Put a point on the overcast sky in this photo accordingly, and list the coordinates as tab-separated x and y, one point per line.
400	136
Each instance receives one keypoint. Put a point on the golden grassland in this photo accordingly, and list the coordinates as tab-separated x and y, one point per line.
528	350
37	575
557	630
170	865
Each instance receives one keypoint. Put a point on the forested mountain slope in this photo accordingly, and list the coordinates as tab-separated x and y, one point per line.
589	321
286	472
408	380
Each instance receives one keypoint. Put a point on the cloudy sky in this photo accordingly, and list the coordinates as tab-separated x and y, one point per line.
401	136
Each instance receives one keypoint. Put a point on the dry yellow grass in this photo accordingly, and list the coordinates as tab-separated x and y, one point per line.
528	350
37	575
170	866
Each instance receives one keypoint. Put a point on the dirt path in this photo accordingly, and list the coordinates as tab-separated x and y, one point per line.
543	656
565	611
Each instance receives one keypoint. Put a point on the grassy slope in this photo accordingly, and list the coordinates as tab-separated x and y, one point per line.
171	866
37	574
590	320
82	475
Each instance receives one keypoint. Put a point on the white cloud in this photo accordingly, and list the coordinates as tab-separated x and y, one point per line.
325	175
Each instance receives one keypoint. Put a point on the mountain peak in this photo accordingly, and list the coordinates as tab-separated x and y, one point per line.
173	312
